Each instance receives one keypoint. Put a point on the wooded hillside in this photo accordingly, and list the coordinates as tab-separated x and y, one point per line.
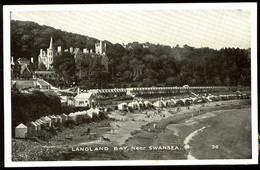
142	64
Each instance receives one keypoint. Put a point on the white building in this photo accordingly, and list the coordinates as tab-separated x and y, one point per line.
21	131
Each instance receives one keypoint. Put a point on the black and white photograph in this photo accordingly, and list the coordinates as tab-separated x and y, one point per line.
139	84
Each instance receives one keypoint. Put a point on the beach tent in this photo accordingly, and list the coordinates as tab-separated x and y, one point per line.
122	106
158	103
21	131
90	112
147	103
164	103
141	104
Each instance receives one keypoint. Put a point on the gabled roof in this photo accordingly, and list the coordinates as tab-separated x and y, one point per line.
23	59
83	96
24	67
21	126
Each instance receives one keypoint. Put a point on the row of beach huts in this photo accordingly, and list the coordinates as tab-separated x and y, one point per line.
34	128
140	104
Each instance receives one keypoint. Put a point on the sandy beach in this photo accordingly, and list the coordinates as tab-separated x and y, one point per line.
134	136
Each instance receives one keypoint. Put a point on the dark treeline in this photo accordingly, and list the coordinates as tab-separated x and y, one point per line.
32	106
141	64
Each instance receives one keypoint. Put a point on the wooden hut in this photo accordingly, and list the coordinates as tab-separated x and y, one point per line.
72	117
64	117
21	131
59	119
122	106
31	129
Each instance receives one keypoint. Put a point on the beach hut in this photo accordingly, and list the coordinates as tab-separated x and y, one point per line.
72	117
122	106
64	117
141	104
46	120
59	119
38	125
31	129
21	131
41	124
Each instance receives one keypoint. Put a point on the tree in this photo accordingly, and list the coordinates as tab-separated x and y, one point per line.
170	81
42	67
64	65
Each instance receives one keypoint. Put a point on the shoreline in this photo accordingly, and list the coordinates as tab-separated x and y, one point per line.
132	130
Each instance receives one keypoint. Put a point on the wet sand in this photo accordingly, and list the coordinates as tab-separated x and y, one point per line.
142	140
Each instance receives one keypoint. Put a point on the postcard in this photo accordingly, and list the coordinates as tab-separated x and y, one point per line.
132	84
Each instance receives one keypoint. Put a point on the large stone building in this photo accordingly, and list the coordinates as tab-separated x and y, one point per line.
88	55
99	56
47	57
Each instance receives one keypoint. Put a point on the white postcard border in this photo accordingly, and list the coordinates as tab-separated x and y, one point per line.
202	6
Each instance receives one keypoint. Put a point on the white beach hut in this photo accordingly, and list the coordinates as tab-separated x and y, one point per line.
59	119
72	117
64	117
21	131
122	106
158	104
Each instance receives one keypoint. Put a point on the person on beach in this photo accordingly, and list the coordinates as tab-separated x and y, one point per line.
88	131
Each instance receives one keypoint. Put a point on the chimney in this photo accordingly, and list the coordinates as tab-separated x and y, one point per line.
78	91
32	59
12	60
101	47
71	49
59	49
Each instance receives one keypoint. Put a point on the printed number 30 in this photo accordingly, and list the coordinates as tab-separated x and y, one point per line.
214	147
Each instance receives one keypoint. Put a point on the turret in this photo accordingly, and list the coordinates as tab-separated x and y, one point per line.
51	44
12	60
100	46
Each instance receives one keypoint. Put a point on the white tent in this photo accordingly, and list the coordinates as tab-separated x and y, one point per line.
147	103
72	117
90	112
122	106
21	131
158	103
